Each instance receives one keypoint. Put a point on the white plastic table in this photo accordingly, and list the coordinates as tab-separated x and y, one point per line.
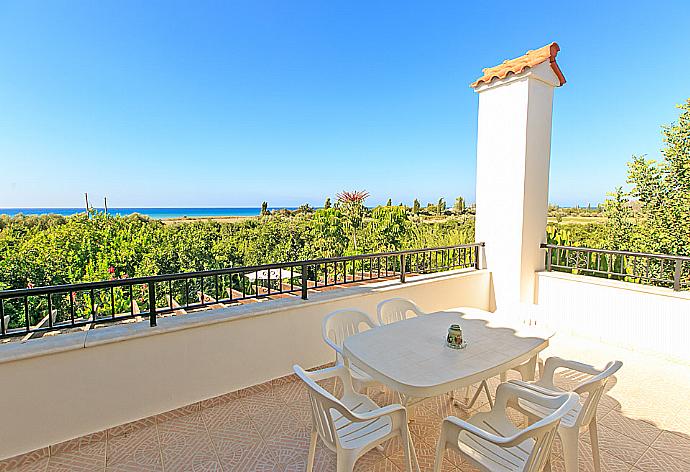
411	356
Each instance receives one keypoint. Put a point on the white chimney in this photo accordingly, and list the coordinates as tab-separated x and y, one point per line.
513	151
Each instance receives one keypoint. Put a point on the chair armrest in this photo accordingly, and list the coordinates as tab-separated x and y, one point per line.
338	370
554	363
335	347
535	387
379	412
576	366
460	425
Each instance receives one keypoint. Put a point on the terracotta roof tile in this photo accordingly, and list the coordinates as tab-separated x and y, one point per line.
519	64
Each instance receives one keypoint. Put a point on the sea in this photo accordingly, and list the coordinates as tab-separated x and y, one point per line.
156	213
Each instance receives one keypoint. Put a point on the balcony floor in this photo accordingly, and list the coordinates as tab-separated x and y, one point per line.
644	426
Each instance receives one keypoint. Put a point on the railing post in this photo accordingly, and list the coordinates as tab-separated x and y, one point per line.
304	281
152	303
476	257
548	259
3	328
676	275
402	268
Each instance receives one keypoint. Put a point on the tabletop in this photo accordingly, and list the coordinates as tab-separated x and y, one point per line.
411	356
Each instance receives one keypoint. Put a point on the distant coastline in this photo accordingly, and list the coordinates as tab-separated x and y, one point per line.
155	213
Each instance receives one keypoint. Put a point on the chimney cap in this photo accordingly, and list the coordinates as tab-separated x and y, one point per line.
520	64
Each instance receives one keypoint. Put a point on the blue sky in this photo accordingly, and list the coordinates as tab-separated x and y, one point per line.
231	103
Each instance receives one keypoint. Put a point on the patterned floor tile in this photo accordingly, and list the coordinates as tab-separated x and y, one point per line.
640	430
622	447
301	410
426	455
87	458
141	461
291	391
175	430
277	421
77	444
25	460
192	453
676	445
180	412
239	454
140	445
39	465
375	461
609	462
218	400
654	460
290	448
228	420
128	428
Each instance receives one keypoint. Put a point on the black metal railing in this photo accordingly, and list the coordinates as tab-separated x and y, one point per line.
26	312
638	267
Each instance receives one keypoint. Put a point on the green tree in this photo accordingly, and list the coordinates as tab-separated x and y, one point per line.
661	190
327	203
352	207
389	226
415	207
441	206
328	233
459	205
264	208
389	202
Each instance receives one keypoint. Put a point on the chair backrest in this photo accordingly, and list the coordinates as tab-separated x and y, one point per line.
594	389
544	431
322	403
343	323
396	309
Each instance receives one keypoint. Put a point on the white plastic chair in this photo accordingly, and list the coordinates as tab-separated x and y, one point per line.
492	443
581	415
335	328
353	424
396	309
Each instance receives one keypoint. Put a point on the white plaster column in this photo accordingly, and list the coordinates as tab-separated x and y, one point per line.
513	151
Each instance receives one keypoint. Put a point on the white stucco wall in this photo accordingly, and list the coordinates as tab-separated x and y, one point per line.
643	318
55	389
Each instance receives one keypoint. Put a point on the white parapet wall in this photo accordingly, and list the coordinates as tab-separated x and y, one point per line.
62	387
649	319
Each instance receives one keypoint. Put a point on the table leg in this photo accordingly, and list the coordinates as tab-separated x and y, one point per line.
413	453
528	369
466	406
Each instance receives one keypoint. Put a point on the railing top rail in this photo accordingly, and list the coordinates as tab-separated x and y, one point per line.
49	289
613	251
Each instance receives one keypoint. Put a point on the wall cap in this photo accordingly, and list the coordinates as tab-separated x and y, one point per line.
651	289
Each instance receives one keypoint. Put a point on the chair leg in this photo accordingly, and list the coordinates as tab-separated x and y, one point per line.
570	445
407	450
345	462
440	450
312	451
594	438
